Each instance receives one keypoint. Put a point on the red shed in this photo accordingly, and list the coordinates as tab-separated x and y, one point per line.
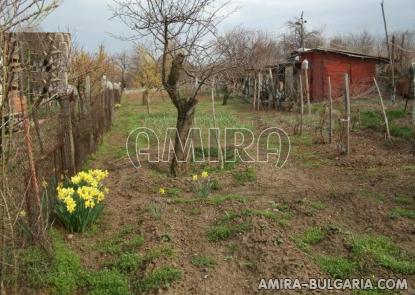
333	63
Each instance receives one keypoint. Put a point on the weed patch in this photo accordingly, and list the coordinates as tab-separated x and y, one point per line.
220	199
159	278
383	252
203	261
249	175
311	236
337	267
402	212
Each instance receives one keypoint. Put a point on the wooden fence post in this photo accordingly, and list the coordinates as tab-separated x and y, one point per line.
32	198
65	115
383	110
255	92
347	107
301	105
88	112
305	67
413	106
330	112
259	90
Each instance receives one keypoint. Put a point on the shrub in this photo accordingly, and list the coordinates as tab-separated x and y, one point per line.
79	201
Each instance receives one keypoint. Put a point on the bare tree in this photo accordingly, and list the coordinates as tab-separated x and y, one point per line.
122	60
181	31
298	35
24	13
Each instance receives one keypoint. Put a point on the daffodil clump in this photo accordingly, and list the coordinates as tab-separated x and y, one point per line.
79	201
202	184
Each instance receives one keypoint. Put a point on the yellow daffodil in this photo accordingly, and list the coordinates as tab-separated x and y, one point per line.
89	204
205	174
162	191
194	177
64	193
70	205
98	175
22	213
106	190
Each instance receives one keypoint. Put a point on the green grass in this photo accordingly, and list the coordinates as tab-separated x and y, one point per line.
63	273
371	119
374	120
107	282
122	241
173	192
233	223
157	252
128	262
249	175
314	235
301	140
159	278
156	210
311	236
404	132
316	205
337	267
225	231
311	160
403	199
395	114
203	261
383	252
402	212
220	199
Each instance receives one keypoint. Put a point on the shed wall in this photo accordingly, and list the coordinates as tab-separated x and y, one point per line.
323	65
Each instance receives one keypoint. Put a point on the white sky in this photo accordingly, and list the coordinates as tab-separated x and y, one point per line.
89	20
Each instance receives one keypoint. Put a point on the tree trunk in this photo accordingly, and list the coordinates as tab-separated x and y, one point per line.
183	125
225	95
145	97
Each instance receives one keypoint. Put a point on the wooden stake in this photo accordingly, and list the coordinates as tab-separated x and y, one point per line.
413	106
389	51
307	89
259	90
347	107
330	112
393	96
254	99
383	110
301	105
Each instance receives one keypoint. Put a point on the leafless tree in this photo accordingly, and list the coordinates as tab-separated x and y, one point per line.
24	13
182	32
362	42
246	50
123	61
292	40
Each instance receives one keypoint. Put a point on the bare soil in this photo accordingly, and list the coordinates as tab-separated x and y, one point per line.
358	192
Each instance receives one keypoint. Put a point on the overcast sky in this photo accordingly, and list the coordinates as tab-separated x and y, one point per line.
89	20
